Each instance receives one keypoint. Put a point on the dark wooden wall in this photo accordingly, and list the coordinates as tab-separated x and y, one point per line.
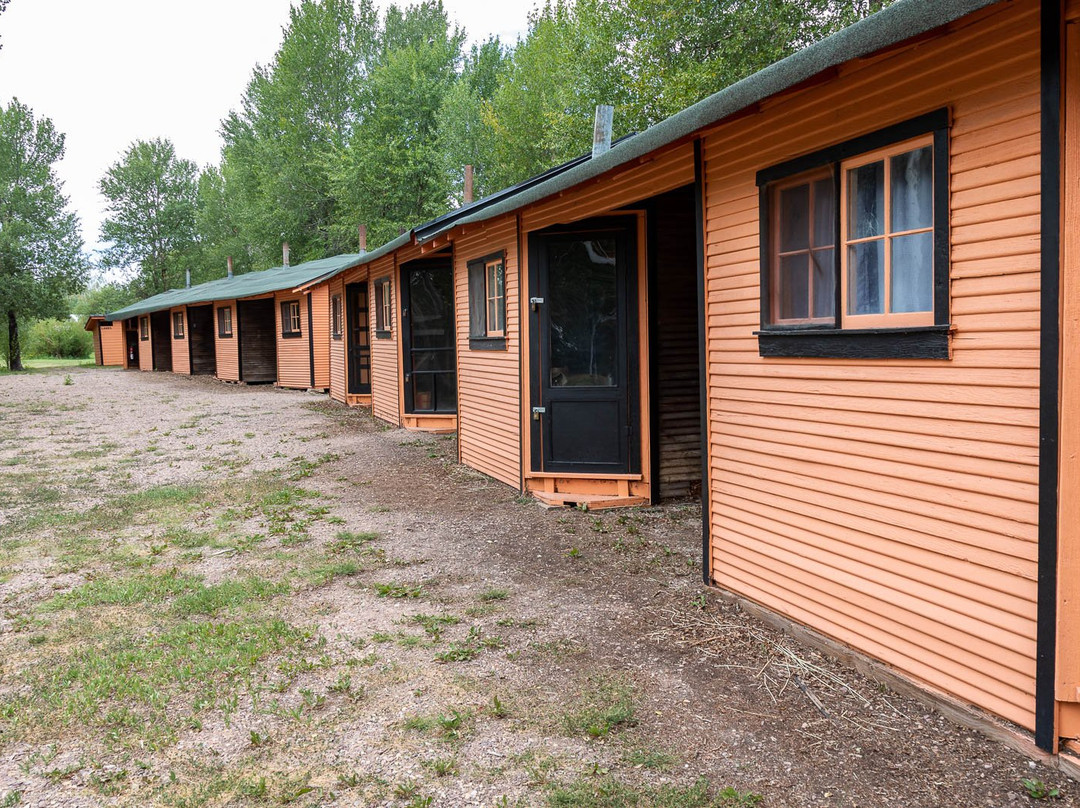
201	340
258	340
161	338
675	344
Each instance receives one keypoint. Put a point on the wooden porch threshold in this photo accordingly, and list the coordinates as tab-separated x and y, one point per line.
591	502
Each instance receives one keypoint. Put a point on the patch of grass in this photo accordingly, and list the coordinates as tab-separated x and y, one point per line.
611	793
325	573
393	590
434	623
649	758
126	685
442	767
347	540
489	595
604	705
1036	789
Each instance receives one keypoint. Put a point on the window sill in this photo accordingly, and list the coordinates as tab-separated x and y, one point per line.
336	337
926	342
224	336
487	343
292	335
382	335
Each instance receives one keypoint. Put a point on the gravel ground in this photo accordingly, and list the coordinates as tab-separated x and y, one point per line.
561	614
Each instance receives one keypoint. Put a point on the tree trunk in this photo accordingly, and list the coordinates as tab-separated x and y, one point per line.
14	350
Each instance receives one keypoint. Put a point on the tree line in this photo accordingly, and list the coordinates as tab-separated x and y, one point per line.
369	118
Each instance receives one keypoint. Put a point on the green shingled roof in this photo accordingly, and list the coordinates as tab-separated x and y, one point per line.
238	286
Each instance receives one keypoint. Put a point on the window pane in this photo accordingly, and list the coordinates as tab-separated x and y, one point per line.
824	271
912	276
584	313
912	192
794	290
866	200
446	392
866	280
423	392
824	213
794	218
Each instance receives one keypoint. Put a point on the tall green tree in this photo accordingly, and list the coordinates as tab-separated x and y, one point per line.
150	215
393	174
282	146
41	248
101	298
464	138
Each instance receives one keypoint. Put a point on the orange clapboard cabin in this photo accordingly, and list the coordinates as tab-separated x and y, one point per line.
109	342
232	328
837	285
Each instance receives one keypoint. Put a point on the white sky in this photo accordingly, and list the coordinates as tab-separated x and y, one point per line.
109	72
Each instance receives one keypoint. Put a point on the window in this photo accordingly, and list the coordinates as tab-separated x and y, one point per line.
384	306
178	325
290	319
144	328
335	316
487	303
854	247
224	321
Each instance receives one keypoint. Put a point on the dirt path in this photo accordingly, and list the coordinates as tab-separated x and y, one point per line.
221	595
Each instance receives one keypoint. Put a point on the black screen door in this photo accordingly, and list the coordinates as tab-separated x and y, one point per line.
356	301
585	393
429	356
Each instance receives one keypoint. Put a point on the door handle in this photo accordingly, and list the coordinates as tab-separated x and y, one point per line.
537	412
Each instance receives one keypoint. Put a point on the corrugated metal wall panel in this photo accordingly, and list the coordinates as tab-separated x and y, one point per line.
293	353
385	373
338	347
181	360
892	505
319	301
489	382
228	364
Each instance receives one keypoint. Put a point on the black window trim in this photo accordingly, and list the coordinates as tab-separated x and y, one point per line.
286	319
382	330
221	332
824	341
483	342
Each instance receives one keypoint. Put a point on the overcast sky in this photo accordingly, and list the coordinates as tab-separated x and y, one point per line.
109	72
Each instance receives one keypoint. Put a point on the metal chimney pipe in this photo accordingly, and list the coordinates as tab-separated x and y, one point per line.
468	184
187	278
601	139
228	265
362	231
285	253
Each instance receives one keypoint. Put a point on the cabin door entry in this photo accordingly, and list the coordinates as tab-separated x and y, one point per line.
427	340
585	380
356	299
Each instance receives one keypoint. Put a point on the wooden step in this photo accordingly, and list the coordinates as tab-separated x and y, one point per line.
592	502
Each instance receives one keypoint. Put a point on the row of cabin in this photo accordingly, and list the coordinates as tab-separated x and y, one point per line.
839	301
254	328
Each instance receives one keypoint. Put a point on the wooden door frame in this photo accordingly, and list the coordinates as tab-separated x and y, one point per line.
632	225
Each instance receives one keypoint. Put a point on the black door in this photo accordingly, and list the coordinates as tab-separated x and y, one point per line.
584	313
356	299
427	338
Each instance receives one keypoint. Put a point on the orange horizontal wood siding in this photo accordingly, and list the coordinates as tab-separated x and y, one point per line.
146	346
228	361
319	300
489	382
892	505
293	353
181	355
385	361
338	347
110	343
